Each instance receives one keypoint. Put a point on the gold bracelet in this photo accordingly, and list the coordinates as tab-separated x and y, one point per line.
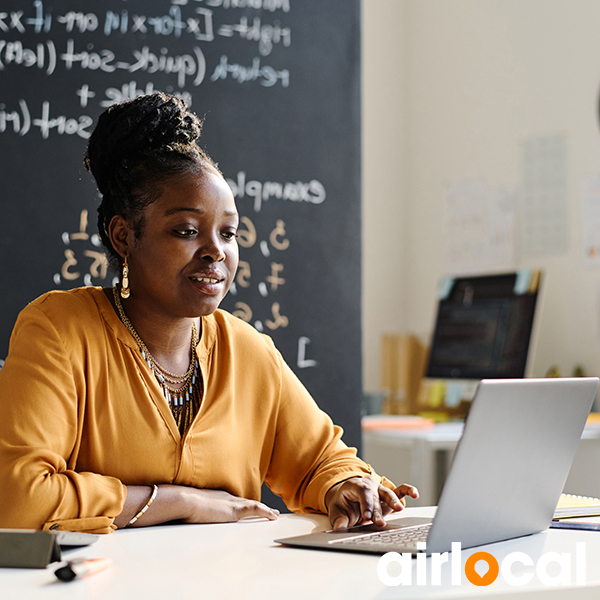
146	506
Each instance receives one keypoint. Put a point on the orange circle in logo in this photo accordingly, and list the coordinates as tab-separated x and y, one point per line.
487	578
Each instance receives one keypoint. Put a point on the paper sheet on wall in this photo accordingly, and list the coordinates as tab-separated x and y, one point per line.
597	327
503	217
543	198
479	226
590	220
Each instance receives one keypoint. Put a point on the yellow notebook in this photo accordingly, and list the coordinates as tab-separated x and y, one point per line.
570	507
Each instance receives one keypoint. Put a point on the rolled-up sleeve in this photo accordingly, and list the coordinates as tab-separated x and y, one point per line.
42	405
309	456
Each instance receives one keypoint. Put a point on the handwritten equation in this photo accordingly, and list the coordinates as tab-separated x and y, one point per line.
68	42
199	25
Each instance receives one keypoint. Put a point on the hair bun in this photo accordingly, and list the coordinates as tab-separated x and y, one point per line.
166	124
140	129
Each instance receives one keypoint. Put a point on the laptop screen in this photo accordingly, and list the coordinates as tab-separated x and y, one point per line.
483	326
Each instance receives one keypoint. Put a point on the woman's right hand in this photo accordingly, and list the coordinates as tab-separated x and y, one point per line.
189	505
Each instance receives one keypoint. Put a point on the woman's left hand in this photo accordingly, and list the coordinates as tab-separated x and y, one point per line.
361	499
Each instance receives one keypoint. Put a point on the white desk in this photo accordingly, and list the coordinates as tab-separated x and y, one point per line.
422	457
239	561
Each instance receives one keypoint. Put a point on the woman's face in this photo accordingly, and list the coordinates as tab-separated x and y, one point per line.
185	260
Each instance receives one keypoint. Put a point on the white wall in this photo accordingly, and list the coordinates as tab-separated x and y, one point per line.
384	157
451	89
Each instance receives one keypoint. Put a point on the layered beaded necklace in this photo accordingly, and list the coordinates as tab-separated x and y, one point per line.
182	392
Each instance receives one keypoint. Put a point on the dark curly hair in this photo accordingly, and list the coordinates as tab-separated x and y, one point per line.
136	147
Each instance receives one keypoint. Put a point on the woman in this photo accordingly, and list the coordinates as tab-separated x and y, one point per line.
145	404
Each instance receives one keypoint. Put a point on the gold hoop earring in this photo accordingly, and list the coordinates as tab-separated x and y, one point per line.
125	290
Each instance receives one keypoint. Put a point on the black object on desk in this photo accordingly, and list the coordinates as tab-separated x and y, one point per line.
28	548
34	549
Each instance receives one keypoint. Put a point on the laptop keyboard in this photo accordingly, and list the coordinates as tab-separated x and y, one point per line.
407	536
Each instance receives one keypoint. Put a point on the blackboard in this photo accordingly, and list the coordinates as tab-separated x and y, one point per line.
277	82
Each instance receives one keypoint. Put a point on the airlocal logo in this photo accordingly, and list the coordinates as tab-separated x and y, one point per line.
483	560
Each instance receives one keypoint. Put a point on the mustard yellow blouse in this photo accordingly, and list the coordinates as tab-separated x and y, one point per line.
81	416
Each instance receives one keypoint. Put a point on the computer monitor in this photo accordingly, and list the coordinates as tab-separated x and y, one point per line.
484	326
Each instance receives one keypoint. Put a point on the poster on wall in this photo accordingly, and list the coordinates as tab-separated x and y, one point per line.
480	225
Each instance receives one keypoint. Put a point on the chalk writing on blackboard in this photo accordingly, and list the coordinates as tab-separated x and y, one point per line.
87	46
261	191
21	121
86	263
247	238
188	69
270	5
303	362
199	25
90	267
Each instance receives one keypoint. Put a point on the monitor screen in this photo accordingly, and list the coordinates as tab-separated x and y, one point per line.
483	326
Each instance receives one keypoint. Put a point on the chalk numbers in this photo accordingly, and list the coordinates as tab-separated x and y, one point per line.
243	274
276	241
85	261
246	233
84	258
85	264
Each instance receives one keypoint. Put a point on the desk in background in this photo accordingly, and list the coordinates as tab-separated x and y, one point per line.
422	457
239	561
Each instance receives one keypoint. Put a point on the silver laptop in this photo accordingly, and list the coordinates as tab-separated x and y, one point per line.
506	477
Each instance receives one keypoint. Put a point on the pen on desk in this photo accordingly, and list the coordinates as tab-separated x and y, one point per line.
80	567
